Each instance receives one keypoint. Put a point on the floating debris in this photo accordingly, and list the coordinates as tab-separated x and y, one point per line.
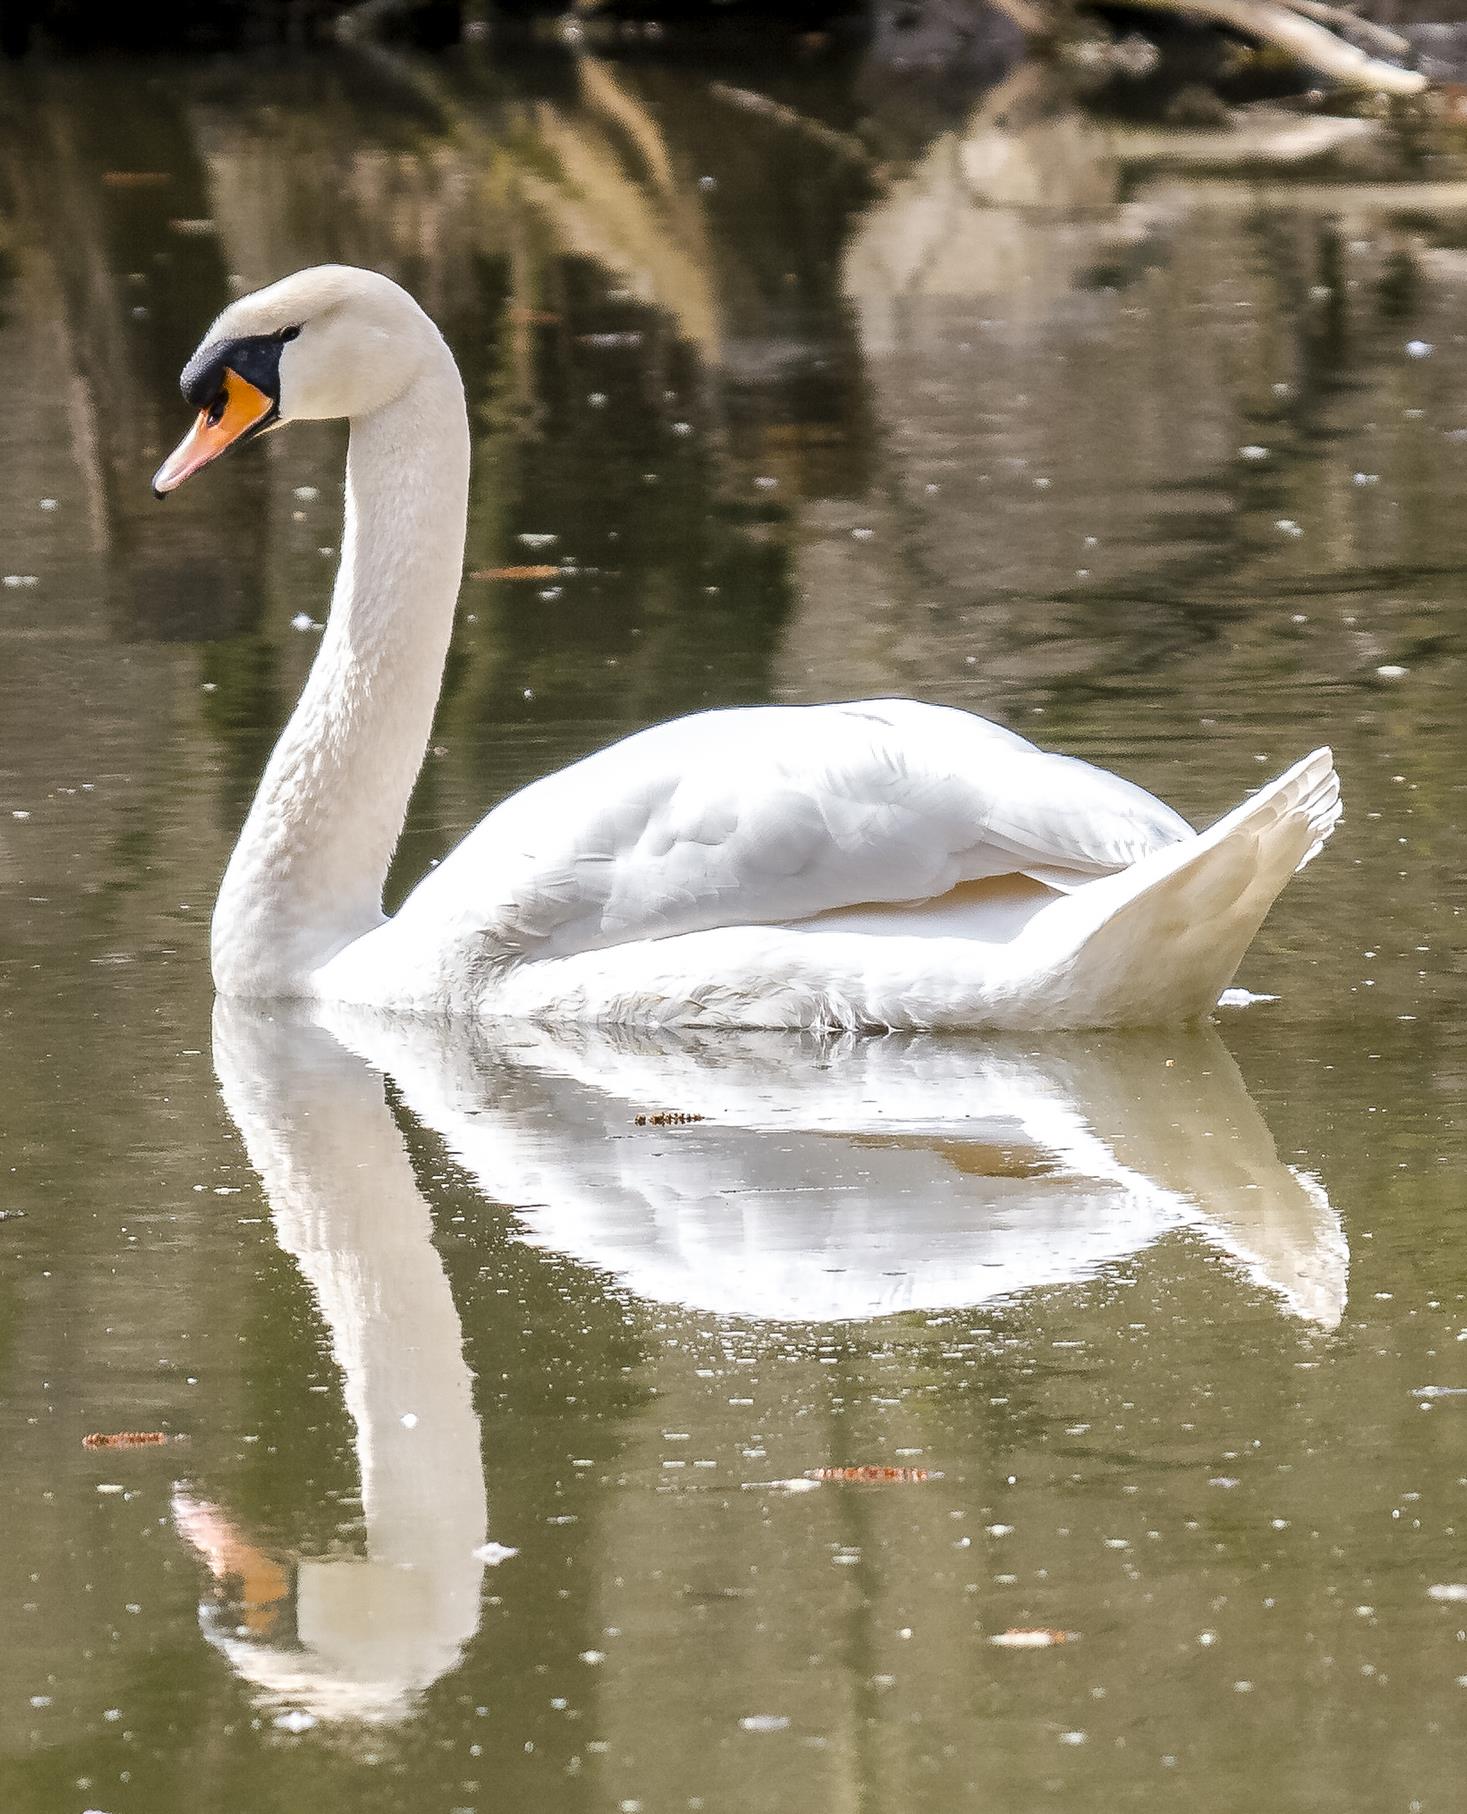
764	1722
492	1554
871	1476
668	1118
531	573
1032	1637
1448	1590
125	1439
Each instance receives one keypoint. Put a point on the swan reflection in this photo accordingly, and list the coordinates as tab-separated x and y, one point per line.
758	1176
343	1635
810	1181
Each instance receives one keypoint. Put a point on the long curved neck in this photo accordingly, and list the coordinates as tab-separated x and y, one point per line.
307	873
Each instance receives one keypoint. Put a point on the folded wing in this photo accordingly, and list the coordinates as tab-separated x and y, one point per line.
776	813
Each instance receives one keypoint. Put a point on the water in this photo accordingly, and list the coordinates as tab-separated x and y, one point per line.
817	398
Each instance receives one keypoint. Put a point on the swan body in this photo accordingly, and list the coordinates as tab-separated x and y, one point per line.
878	864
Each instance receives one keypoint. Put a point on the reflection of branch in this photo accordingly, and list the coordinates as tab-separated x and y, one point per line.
1342	19
844	144
1280	26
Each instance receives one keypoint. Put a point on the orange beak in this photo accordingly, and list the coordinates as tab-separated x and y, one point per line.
239	408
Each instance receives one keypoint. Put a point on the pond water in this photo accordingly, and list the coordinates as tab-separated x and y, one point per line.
493	1382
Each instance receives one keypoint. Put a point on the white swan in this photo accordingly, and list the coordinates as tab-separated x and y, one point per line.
877	864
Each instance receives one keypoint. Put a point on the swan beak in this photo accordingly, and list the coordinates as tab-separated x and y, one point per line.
238	408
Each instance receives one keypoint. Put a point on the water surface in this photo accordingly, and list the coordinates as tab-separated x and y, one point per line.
1148	445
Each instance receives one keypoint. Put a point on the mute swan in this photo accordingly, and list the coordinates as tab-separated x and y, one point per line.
871	865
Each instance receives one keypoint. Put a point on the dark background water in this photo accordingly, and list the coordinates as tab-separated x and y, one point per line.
1147	442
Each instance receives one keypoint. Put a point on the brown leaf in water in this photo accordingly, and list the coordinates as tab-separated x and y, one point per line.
870	1476
534	573
124	1439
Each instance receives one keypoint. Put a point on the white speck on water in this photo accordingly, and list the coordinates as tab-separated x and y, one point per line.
1392	671
780	1486
998	1530
294	1719
307	494
1439	1392
1288	526
1072	1738
1206	1639
1448	1590
109	1486
1420	349
50	503
20	579
593	1656
304	621
112	1715
1367	478
20	813
40	1700
409	1420
1226	1481
764	1722
533	540
863	535
1252	451
492	1554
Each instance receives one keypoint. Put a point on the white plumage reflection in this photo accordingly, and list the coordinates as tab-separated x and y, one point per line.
827	1181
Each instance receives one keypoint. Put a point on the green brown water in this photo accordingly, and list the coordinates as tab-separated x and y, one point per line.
814	404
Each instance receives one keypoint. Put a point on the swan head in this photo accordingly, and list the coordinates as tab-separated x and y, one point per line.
329	341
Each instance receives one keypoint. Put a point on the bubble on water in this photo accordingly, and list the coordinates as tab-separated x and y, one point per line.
764	1722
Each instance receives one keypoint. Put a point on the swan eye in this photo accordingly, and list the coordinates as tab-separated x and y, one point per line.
218	407
284	334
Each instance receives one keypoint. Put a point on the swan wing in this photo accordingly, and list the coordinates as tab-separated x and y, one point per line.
760	815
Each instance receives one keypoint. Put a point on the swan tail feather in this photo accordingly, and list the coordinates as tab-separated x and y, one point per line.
1164	938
